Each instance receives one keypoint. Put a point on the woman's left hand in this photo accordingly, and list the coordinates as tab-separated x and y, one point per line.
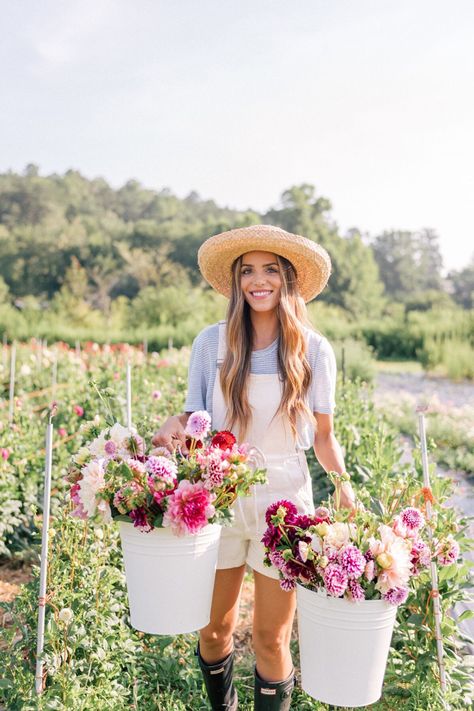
345	498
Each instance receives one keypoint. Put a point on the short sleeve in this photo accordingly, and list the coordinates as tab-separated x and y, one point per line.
198	375
324	379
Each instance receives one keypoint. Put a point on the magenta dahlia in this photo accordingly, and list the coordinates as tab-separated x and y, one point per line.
290	508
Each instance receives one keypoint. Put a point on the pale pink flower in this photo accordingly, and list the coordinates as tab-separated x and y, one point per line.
392	554
156	394
198	424
303	549
91	483
369	571
339	534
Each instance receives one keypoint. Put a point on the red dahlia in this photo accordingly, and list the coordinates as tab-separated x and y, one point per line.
223	440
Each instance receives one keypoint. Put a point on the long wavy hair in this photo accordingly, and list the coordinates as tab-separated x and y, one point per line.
293	367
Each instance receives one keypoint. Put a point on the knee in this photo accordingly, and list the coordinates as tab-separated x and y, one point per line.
271	644
216	635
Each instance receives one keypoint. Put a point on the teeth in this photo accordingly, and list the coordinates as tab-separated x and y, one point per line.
261	293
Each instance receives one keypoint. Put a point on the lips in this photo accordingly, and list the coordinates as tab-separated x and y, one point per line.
260	294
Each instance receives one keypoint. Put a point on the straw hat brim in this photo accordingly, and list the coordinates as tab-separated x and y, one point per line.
311	261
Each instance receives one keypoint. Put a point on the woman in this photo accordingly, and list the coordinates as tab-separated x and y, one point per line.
266	375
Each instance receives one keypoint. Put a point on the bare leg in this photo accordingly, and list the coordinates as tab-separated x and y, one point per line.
216	639
274	612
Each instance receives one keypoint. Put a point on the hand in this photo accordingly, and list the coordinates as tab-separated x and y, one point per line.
345	497
171	435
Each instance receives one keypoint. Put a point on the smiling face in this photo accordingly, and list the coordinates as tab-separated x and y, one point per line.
260	280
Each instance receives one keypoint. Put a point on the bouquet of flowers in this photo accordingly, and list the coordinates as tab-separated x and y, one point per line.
113	477
360	559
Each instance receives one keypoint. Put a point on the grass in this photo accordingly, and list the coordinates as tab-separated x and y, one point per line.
398	366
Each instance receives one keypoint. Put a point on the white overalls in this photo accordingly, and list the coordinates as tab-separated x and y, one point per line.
287	469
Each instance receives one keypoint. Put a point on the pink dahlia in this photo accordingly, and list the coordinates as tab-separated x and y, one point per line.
78	410
162	468
420	555
335	580
396	596
189	508
356	591
215	468
352	561
412	518
277	559
198	424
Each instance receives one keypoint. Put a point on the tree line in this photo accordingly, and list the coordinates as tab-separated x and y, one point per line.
70	245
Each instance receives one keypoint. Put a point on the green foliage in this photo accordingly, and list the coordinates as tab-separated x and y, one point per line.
98	661
409	262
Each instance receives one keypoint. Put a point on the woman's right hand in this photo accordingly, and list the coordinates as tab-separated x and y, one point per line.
171	435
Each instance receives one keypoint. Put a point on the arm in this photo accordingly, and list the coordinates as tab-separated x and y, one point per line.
329	454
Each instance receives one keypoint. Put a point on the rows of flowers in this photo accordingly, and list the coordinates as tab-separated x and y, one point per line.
113	477
360	559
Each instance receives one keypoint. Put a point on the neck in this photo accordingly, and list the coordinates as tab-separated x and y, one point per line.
265	326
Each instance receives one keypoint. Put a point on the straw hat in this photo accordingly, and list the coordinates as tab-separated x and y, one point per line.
311	261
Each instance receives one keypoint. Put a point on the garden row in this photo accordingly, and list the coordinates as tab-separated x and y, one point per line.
93	658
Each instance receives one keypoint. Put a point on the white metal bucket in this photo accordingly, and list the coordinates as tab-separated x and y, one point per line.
170	579
344	647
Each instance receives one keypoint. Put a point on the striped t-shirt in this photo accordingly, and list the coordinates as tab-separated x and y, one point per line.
202	371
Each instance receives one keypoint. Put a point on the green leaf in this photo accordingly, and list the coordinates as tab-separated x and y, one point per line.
466	615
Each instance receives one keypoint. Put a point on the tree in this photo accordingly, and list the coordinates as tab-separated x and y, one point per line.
462	285
409	262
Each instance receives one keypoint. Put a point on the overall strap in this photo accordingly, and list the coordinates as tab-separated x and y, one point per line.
222	344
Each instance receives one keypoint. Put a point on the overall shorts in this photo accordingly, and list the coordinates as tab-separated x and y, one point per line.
287	469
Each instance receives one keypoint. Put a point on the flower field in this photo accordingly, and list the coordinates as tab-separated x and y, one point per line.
93	659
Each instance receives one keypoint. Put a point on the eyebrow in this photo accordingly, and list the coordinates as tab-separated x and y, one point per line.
265	265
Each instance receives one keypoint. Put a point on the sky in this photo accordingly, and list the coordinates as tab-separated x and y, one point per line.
371	101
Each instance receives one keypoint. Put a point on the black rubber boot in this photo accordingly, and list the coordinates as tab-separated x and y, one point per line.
218	681
273	695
